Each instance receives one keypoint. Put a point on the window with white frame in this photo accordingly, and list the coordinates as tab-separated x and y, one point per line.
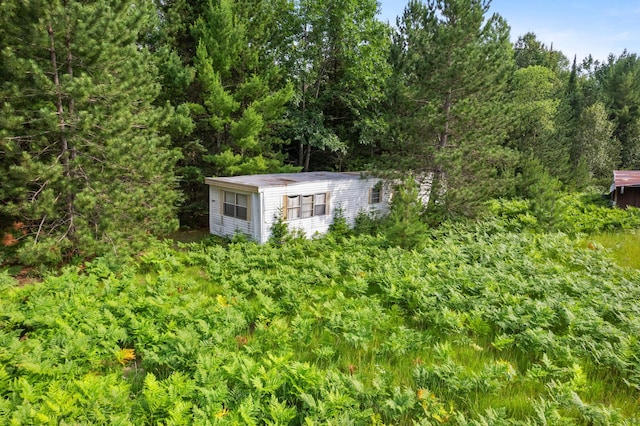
304	206
235	205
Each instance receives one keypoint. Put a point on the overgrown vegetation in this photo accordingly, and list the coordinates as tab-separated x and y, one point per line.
492	322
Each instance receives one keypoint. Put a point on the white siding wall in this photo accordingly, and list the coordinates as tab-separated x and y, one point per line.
352	195
226	226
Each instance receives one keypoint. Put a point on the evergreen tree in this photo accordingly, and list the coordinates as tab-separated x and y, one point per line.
84	167
529	51
452	65
620	78
244	92
220	67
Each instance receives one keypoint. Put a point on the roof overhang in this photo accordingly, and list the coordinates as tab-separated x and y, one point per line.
237	186
257	183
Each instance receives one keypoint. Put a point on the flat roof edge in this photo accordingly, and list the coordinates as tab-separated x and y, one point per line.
231	185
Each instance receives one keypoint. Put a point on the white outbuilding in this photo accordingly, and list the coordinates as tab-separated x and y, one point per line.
305	201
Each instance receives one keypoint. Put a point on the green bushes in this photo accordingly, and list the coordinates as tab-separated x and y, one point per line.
575	214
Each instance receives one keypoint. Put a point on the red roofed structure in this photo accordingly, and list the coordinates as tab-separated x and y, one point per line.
625	190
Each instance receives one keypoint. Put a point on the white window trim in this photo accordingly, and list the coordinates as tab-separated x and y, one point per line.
235	196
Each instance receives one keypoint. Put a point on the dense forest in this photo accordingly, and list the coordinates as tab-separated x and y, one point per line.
113	113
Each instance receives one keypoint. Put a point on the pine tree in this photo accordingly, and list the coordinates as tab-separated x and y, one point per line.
244	93
529	51
620	78
219	63
452	64
84	165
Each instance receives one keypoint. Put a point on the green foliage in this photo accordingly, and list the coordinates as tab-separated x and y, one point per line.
280	232
542	189
480	325
241	103
529	51
587	213
621	86
338	64
452	62
86	167
339	227
404	226
535	109
599	148
368	223
221	66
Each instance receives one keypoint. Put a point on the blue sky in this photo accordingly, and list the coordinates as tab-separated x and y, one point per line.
596	27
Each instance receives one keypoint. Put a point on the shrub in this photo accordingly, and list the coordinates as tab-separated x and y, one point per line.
339	227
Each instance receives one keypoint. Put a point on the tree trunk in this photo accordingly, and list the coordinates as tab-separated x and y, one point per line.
307	156
438	173
65	155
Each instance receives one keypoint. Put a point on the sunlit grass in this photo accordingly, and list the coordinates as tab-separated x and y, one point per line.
623	247
608	389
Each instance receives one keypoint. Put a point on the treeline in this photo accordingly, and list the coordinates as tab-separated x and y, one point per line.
113	112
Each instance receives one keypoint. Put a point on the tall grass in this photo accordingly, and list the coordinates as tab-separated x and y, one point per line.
622	246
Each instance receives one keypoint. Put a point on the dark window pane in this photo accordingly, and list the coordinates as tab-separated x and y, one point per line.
241	213
229	210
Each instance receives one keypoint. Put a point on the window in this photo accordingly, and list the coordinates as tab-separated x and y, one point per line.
235	205
307	206
375	195
293	207
320	204
303	206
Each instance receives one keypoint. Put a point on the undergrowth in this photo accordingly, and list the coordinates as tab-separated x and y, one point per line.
479	324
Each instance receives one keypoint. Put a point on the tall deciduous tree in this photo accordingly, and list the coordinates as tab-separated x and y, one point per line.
84	167
536	97
454	62
338	63
598	146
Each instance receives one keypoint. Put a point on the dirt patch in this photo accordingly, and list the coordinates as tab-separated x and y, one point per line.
25	277
189	235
